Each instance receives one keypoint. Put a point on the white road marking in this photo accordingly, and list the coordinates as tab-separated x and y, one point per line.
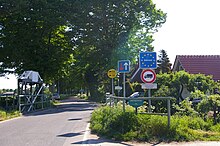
10	119
86	134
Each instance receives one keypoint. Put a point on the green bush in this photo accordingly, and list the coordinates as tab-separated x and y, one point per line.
3	115
114	123
215	128
8	115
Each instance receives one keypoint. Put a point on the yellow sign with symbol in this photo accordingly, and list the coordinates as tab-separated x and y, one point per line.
112	73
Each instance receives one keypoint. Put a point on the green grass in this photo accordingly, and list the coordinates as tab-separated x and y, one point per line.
8	115
113	123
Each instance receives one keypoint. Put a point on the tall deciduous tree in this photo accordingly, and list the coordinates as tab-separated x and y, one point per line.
34	37
79	38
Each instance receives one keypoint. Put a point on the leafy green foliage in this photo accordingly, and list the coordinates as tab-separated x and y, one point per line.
112	122
74	42
185	108
8	115
212	103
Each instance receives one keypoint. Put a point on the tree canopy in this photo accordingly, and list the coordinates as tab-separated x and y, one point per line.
75	41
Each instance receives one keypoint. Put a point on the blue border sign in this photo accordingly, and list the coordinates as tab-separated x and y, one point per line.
124	66
148	60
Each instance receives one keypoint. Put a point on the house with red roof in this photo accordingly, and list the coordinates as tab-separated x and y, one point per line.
203	64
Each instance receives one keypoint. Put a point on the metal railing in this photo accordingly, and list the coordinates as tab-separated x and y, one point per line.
111	100
29	103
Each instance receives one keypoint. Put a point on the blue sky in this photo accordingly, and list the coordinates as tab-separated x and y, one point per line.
192	28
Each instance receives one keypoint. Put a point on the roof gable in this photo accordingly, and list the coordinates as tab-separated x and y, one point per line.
204	64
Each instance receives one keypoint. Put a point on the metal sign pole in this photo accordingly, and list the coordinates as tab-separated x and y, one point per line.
124	93
149	101
113	86
118	93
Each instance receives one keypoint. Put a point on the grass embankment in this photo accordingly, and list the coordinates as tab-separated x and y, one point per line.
113	123
8	115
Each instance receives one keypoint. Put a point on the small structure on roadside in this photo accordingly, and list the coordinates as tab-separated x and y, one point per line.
30	91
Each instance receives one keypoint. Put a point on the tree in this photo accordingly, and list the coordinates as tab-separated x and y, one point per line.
111	24
78	38
34	37
164	64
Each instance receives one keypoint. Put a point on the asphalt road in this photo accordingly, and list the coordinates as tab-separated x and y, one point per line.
66	125
62	126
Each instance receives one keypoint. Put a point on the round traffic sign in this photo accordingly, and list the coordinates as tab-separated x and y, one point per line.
148	76
112	73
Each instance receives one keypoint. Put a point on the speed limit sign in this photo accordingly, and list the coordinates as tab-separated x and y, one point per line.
148	76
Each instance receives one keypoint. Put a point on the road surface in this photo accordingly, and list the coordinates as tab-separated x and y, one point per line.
66	125
62	126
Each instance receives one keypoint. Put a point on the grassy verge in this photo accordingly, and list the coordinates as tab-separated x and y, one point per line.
8	115
113	123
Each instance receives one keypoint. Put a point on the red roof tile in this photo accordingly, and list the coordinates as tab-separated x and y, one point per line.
204	64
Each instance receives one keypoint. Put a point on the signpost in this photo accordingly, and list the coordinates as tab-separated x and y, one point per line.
136	103
148	76
148	60
118	88
149	86
124	67
112	74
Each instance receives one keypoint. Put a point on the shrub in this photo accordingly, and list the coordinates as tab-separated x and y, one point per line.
114	123
3	115
8	115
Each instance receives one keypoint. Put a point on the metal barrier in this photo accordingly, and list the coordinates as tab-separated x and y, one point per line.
168	114
8	101
29	103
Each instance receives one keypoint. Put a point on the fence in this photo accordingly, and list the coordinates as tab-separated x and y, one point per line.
111	100
29	103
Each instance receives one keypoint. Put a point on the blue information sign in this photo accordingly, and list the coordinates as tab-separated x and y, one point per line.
124	66
148	60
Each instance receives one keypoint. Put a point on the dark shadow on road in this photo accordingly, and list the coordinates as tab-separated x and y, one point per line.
69	105
75	119
155	144
70	134
100	141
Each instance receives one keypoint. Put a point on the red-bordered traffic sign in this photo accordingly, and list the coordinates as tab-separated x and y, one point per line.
148	76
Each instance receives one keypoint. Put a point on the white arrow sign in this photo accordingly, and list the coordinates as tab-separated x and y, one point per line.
126	66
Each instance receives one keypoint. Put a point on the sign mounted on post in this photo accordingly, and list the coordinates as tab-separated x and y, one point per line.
124	66
118	88
112	73
136	103
148	60
148	76
149	86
